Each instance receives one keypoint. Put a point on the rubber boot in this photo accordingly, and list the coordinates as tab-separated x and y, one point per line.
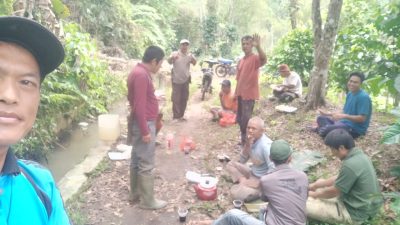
146	189
134	190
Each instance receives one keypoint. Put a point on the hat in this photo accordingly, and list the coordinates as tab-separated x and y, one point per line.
283	68
226	83
184	41
280	150
43	44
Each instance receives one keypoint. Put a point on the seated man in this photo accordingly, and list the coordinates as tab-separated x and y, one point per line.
227	99
284	188
356	113
356	186
291	87
256	149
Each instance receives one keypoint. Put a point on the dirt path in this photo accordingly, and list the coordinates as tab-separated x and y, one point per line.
171	166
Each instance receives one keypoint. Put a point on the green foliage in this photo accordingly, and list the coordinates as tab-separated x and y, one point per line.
368	41
151	23
6	7
187	26
296	50
210	30
228	37
82	86
392	134
61	10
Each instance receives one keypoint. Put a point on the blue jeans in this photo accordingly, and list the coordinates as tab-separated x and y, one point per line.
237	217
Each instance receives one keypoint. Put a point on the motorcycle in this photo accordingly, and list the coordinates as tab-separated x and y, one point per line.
225	67
207	77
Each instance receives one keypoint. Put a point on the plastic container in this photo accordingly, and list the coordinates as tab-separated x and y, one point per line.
187	144
109	128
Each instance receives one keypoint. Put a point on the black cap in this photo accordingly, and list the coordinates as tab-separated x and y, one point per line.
42	43
226	83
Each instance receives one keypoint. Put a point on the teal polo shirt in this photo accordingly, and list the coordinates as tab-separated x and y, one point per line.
19	202
358	104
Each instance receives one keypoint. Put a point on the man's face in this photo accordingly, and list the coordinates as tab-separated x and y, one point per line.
354	84
254	130
284	73
225	89
184	47
155	67
340	153
19	92
247	46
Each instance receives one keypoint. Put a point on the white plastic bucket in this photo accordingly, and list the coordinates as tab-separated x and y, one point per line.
108	125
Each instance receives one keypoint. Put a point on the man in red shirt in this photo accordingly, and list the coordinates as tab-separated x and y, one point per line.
144	111
247	90
227	100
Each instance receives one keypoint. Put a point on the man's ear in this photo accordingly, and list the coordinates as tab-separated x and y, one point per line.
153	62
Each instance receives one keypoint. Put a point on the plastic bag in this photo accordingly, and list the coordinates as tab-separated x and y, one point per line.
227	119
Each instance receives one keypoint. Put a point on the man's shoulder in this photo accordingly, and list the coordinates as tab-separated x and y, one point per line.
266	140
36	170
294	74
276	174
364	94
139	72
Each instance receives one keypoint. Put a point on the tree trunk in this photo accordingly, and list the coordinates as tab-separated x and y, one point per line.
294	8
324	40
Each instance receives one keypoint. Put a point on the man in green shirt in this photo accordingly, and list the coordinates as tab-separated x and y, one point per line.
354	195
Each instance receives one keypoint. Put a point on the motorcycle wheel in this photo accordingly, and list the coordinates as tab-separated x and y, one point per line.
205	89
220	70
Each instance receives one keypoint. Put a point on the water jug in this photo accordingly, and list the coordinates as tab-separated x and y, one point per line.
108	125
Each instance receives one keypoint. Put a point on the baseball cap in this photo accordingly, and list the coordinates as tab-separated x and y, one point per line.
38	40
184	41
226	83
280	150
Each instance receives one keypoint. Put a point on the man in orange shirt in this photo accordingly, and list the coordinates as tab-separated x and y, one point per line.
247	90
227	99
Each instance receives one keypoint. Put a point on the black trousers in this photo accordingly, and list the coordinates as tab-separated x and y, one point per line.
245	110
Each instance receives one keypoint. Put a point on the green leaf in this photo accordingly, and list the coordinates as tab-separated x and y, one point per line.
392	134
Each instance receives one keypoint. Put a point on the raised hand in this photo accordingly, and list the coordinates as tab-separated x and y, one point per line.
256	40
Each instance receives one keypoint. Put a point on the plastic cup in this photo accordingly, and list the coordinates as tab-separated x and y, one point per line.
237	204
182	213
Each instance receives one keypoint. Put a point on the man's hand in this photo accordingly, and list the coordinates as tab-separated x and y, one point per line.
256	40
324	113
312	194
312	187
250	140
338	116
146	138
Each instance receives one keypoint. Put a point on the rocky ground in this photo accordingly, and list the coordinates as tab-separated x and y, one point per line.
103	200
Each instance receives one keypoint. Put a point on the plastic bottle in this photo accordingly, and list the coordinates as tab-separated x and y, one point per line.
170	141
